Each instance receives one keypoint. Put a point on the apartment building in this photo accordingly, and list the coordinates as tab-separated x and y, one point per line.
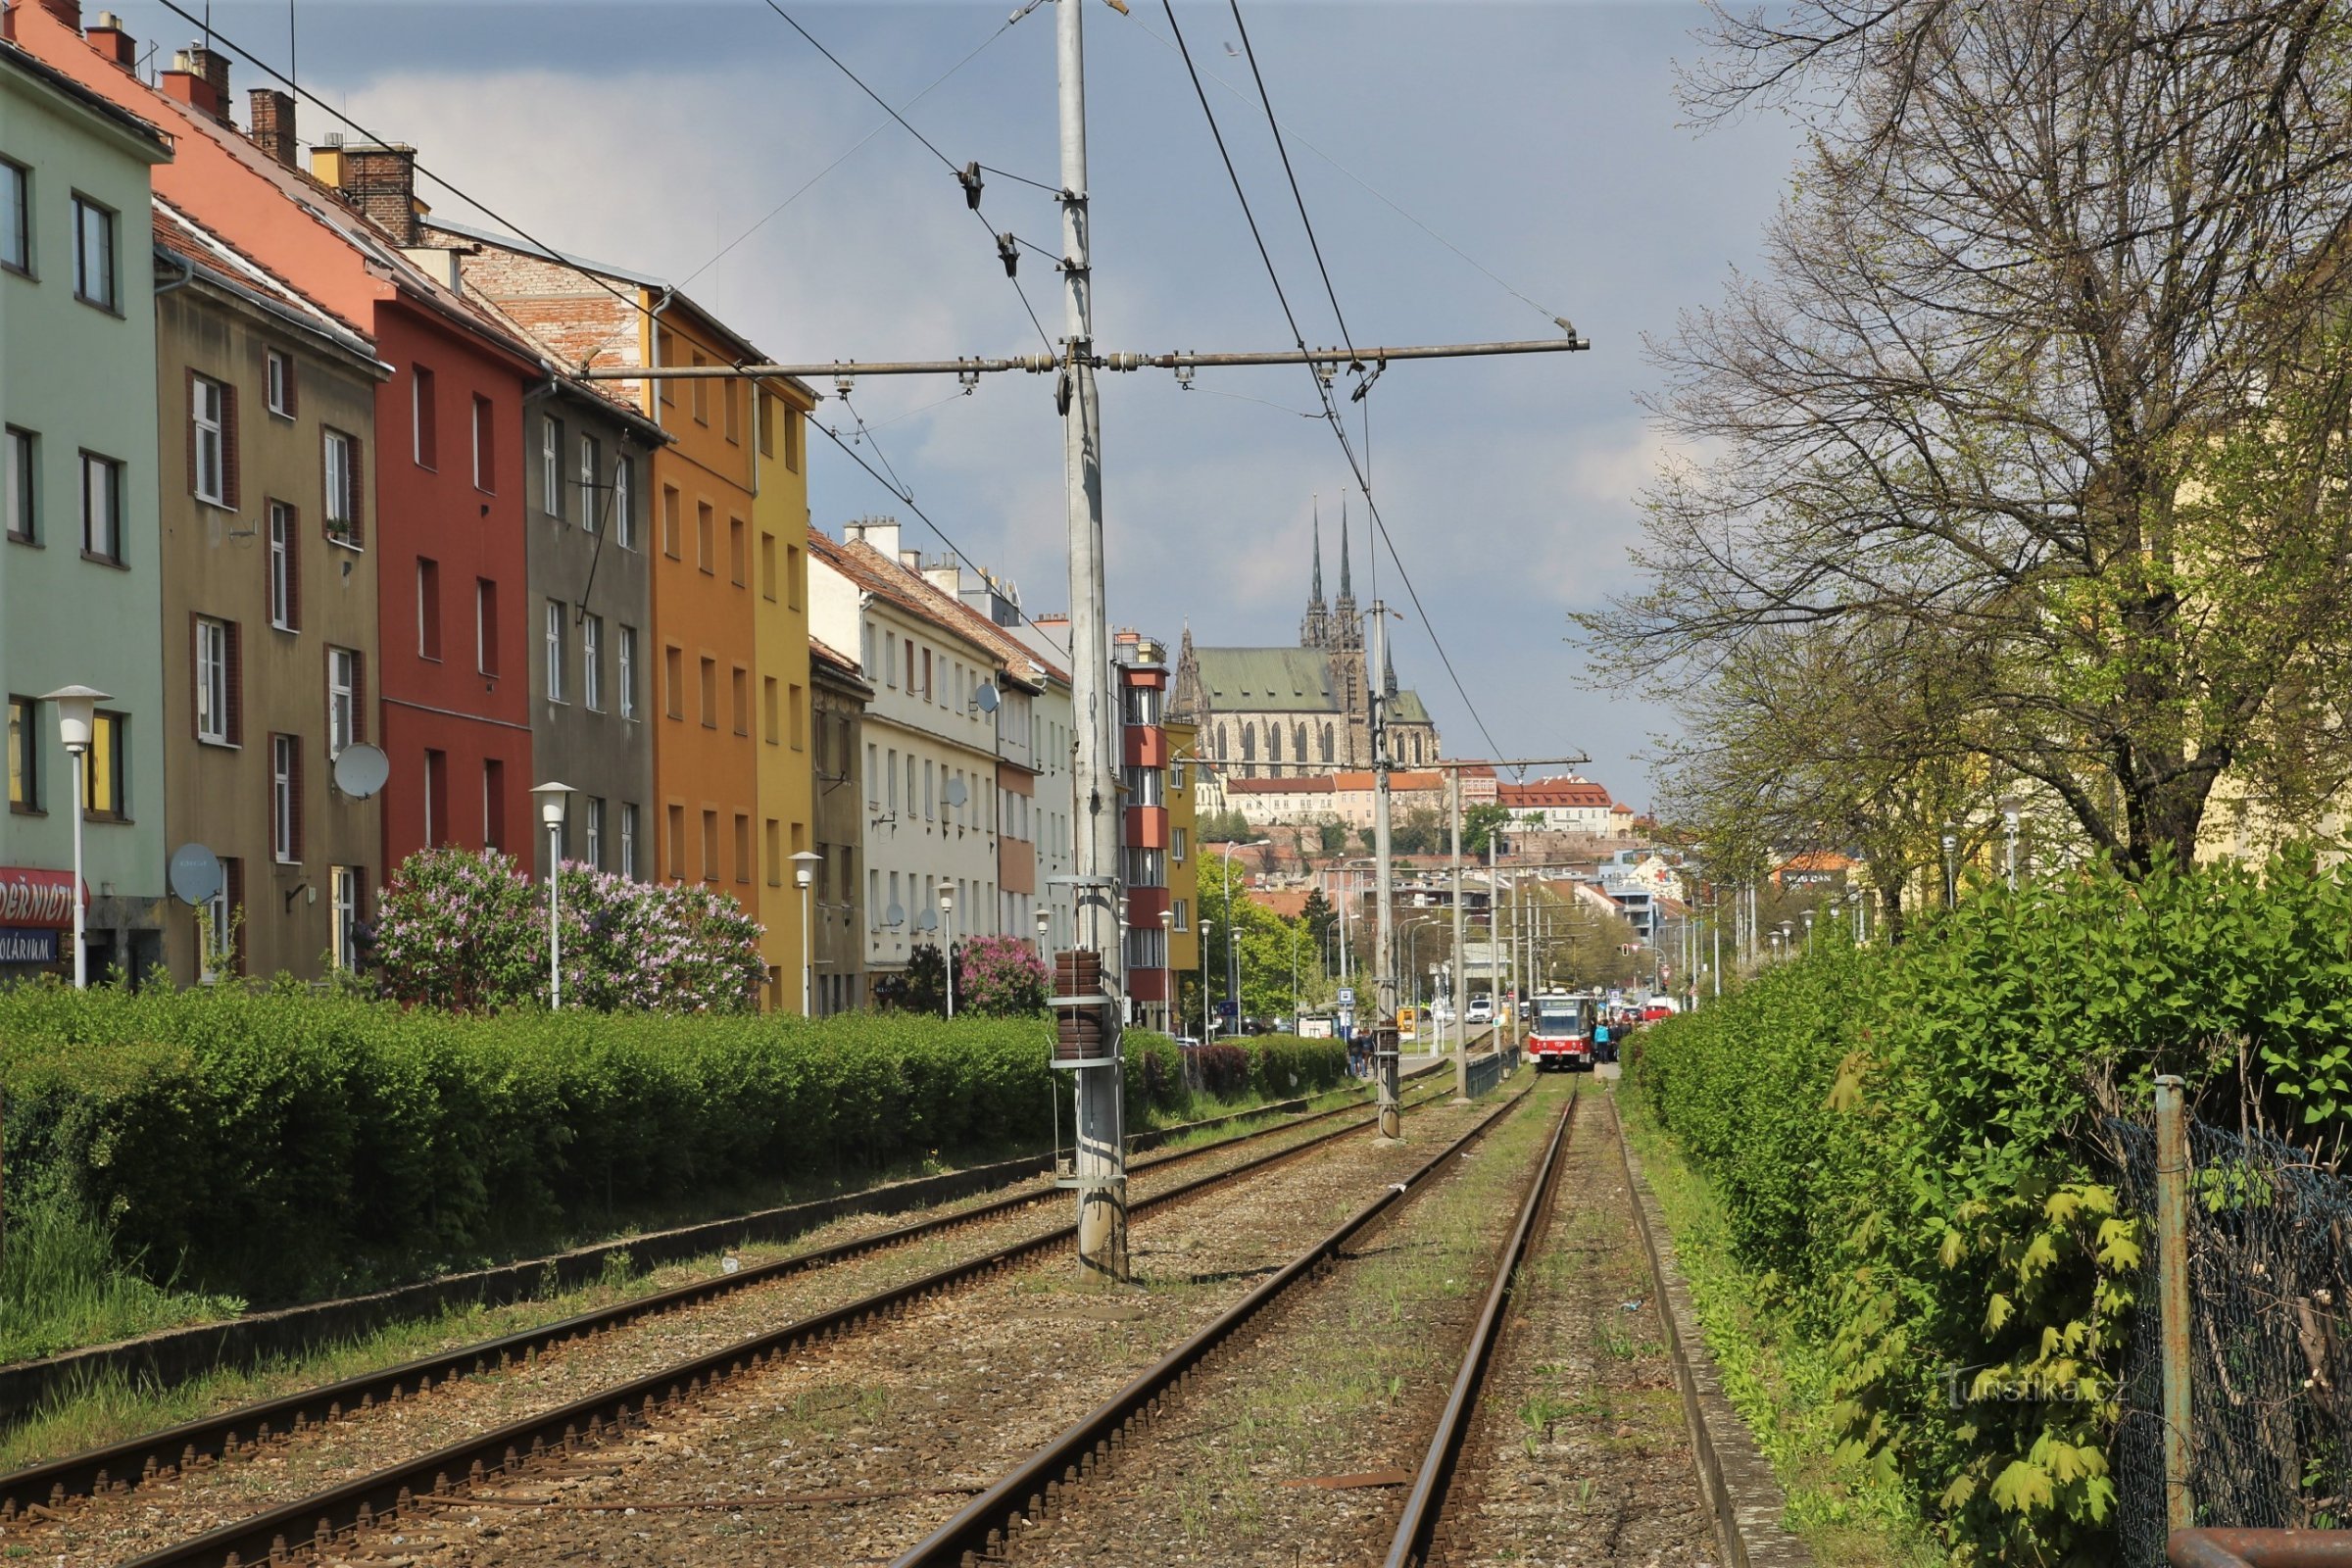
838	699
1141	665
269	614
79	546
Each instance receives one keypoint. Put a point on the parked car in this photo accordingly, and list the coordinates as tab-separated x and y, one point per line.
1482	1009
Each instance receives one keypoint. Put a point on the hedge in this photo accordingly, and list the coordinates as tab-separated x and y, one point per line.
276	1145
1908	1145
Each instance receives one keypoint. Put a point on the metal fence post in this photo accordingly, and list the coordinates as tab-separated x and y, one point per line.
2172	1288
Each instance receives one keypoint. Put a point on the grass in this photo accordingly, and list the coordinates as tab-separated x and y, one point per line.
1779	1382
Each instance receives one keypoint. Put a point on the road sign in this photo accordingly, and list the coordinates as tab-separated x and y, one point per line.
1225	1009
1347	996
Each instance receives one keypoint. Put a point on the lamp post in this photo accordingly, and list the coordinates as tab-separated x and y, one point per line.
1233	951
1167	966
947	938
2011	809
1808	930
1206	927
553	800
76	719
1952	871
1786	932
804	872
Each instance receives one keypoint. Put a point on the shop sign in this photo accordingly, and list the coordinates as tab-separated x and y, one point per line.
22	945
29	898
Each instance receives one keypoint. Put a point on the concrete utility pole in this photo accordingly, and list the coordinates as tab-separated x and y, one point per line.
1102	1157
1461	981
1385	1064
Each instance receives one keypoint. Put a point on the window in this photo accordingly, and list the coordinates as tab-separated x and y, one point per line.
730	395
1181	909
436	797
677	844
710	834
220	932
485	446
424	418
706	539
428	609
627	653
1180	842
792	440
769	705
767	565
700	392
346	699
775	853
767	424
286	583
342	483
216	681
709	708
669	519
927	690
794	709
554	651
1176	772
94	254
23	756
674	682
280	371
16	217
628	840
494	802
109	795
738	553
485	625
743	847
792	575
101	508
285	799
594	827
1143	786
742	693
873	775
346	881
209	440
625	503
591	467
591	664
19	470
930	791
550	466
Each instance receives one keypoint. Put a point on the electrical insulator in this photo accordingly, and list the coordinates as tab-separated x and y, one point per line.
1009	253
968	176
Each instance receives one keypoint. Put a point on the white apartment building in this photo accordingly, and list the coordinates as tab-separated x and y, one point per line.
930	741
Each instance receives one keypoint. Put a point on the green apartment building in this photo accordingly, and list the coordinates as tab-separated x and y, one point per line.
81	576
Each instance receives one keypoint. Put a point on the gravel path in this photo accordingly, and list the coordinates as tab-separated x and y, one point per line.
851	1451
1578	1455
1343	1379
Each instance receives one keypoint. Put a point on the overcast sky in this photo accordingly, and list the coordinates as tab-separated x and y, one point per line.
1541	139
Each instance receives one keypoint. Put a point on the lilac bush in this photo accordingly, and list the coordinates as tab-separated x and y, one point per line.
466	931
1000	975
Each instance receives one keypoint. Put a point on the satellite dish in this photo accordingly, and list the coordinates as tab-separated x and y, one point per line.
928	921
896	915
986	699
957	792
194	873
361	769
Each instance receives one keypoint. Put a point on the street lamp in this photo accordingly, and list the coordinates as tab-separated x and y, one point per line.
1045	929
554	799
2011	809
1787	930
1167	966
1233	955
1808	930
1952	871
804	872
76	719
1207	928
947	938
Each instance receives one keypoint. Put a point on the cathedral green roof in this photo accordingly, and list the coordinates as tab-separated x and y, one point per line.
1267	680
1406	708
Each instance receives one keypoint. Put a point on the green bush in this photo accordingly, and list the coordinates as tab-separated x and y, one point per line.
1909	1144
275	1146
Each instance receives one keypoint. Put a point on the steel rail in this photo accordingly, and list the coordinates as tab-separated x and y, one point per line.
1424	1504
2260	1548
136	1459
617	1408
977	1530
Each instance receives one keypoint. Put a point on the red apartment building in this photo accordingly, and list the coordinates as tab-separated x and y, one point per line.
444	509
1143	675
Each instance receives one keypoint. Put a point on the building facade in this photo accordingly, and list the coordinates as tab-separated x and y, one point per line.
1303	711
1145	755
1184	863
81	567
784	765
1558	804
590	608
838	697
271	642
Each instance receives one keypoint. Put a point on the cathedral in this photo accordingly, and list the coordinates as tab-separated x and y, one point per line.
1288	712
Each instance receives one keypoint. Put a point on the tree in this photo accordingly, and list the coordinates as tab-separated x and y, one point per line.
1481	824
1319	917
1000	976
920	987
2047	369
1332	834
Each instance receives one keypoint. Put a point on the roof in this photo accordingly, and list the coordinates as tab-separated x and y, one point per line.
1816	860
825	662
1553	792
1256	680
884	578
56	80
225	267
1406	708
621	409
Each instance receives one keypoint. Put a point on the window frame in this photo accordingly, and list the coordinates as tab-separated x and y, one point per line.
113	470
85	207
556	652
626	657
592	462
347	898
344	726
214	680
280	395
285	799
550	466
19	211
339	501
208	438
282	542
624	501
24	742
591	654
116	724
21	472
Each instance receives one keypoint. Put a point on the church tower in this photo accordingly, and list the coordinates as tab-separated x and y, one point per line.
1346	626
1315	630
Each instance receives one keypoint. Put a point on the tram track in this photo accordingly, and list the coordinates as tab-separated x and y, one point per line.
622	1405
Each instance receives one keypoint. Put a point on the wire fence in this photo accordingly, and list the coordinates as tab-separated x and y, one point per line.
2269	1356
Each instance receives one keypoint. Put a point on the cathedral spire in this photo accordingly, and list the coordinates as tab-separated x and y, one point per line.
1315	600
1388	669
1346	589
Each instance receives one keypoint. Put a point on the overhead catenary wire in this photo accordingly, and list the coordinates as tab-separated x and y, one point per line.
1275	126
1322	392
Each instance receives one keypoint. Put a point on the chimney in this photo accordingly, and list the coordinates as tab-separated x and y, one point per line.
67	12
270	114
213	66
110	40
882	533
8	22
380	180
190	81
